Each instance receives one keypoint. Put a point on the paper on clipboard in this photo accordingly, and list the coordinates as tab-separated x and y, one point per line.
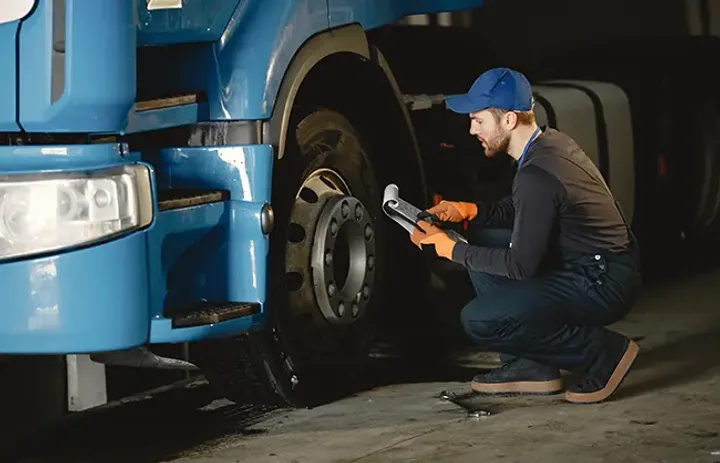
405	214
402	212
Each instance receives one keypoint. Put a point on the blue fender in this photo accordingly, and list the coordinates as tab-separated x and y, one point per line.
242	73
254	52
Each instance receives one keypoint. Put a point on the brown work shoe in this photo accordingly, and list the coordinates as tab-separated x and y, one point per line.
594	389
519	376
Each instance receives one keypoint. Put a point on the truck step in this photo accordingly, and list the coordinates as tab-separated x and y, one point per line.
208	313
179	198
141	357
167	102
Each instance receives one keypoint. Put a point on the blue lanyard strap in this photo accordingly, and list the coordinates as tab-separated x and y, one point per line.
527	146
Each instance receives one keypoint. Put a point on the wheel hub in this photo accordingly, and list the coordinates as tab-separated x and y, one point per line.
330	254
343	259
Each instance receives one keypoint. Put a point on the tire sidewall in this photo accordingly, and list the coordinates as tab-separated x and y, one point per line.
321	138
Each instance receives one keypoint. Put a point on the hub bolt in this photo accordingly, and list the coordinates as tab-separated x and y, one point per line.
368	232
341	309
328	258
366	292
331	290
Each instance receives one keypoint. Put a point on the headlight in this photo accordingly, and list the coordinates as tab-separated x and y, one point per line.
47	212
12	10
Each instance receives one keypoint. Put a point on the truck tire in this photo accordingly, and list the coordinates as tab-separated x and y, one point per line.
326	259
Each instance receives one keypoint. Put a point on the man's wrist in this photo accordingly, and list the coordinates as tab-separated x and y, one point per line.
468	210
459	250
446	248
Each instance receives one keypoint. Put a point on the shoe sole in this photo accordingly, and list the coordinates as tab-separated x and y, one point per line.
613	383
519	387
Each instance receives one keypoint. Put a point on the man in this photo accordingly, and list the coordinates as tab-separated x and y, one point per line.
570	267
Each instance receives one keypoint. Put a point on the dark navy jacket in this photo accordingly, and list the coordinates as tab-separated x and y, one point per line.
559	204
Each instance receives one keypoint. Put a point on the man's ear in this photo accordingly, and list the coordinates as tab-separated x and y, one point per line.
511	119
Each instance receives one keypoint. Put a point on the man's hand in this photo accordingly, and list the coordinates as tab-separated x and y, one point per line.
450	211
444	245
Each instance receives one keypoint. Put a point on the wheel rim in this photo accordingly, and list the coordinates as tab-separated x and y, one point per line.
330	252
342	247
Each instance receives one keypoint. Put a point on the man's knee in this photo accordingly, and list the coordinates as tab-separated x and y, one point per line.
492	323
485	283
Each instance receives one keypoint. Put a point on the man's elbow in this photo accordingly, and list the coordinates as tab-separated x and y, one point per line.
519	271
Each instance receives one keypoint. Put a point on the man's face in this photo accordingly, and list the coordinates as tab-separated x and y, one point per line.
494	137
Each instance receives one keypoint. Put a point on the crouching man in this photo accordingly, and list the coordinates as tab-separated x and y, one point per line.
567	268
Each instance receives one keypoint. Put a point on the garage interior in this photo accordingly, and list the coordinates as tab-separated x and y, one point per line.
668	409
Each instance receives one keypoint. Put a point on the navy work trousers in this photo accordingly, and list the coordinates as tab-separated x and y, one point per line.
556	319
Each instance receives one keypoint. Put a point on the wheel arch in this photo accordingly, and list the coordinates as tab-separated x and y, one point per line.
341	70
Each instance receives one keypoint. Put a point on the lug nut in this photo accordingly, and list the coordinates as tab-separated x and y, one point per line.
358	213
333	227
345	210
355	310
366	292
371	262
328	258
331	290
341	309
368	232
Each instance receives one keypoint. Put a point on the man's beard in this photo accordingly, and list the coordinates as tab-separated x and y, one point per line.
499	143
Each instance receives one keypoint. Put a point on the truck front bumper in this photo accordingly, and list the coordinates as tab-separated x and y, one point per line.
120	293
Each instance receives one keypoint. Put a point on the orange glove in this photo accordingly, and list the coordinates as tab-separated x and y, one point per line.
444	245
451	211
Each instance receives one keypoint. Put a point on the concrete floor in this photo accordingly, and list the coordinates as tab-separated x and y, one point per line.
668	409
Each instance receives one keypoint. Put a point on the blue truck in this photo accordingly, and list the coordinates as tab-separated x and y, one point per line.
209	173
206	172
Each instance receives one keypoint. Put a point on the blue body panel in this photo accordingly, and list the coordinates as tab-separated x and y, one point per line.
46	158
68	303
113	295
99	70
215	252
250	45
8	76
196	21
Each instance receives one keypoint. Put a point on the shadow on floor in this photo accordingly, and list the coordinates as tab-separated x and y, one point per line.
151	430
179	420
676	362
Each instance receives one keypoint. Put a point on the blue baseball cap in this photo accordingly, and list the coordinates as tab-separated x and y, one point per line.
500	88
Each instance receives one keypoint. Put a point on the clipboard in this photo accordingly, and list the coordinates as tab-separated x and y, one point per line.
406	215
